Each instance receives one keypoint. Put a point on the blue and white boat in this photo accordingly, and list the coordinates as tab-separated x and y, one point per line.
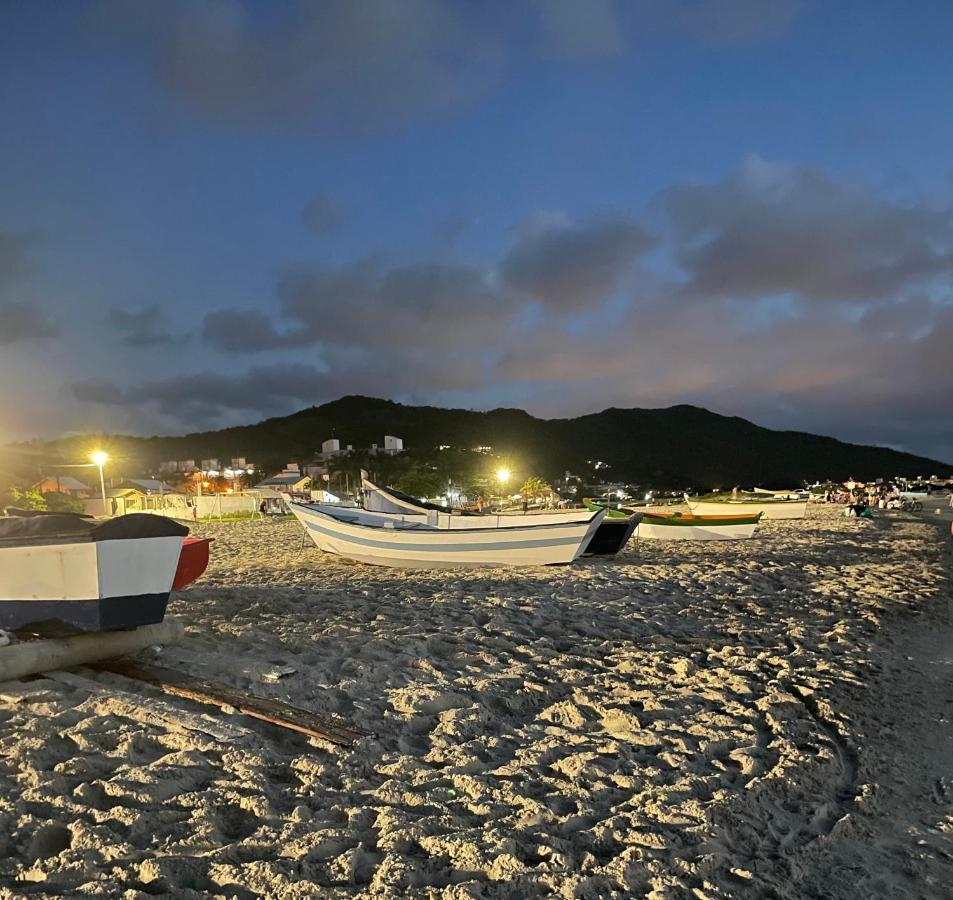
428	542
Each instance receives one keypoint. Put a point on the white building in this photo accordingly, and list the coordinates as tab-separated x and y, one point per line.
393	444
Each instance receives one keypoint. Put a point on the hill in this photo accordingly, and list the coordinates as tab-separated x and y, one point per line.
673	447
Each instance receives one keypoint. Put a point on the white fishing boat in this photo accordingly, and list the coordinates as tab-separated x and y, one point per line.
688	527
66	572
610	537
770	509
379	539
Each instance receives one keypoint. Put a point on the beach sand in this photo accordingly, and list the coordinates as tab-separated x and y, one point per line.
769	718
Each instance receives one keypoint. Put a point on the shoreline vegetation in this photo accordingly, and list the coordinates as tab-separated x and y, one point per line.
739	719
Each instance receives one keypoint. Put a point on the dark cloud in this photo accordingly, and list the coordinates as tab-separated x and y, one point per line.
205	399
22	321
452	228
14	263
571	266
323	214
422	304
209	396
580	28
248	331
340	65
733	21
96	391
142	328
772	229
359	66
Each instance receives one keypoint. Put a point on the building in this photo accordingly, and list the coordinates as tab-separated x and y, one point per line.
210	465
393	445
289	480
63	484
147	485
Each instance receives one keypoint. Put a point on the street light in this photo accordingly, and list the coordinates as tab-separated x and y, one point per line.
502	476
99	458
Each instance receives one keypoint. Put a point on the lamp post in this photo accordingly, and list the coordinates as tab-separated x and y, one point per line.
99	459
502	476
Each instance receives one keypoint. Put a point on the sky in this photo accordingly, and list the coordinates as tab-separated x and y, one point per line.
214	212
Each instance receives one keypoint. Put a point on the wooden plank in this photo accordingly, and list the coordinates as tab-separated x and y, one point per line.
180	684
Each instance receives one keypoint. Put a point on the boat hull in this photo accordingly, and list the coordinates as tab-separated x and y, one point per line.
698	528
421	546
87	586
193	561
783	509
611	536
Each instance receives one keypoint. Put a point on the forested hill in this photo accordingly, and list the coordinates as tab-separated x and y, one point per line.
680	445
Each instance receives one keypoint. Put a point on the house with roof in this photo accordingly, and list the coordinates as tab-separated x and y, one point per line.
63	484
288	481
147	485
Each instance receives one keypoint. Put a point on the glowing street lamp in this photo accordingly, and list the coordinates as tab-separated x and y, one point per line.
99	458
502	476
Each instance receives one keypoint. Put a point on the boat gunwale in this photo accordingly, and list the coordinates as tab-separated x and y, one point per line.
683	519
421	528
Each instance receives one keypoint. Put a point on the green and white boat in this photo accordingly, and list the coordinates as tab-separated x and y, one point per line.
679	526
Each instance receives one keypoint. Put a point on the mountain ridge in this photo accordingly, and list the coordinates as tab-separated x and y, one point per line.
679	445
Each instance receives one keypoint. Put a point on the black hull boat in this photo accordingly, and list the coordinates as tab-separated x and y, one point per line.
67	573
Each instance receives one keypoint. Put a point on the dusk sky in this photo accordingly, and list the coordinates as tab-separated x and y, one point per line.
215	212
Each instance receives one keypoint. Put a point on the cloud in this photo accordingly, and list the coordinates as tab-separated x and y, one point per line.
205	399
22	321
323	214
96	391
366	66
570	266
339	65
733	21
142	328
209	396
13	257
580	28
775	229
248	331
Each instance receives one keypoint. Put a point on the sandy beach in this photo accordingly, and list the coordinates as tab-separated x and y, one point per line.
769	718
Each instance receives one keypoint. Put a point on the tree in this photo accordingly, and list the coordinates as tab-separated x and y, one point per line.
27	499
57	501
535	487
419	483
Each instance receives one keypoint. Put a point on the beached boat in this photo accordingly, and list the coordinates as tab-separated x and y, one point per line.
367	537
679	526
193	561
771	509
610	537
61	572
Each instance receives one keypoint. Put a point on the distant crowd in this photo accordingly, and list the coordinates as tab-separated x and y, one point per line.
859	499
